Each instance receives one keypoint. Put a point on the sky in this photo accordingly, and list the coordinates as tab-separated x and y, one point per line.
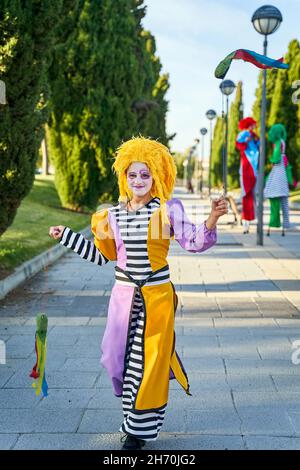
192	37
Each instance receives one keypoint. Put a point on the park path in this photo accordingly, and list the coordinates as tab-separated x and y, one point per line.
237	319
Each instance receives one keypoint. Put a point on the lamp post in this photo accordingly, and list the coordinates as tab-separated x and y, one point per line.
211	115
266	20
203	132
227	88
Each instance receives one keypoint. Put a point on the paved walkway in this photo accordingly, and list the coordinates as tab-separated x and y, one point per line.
238	316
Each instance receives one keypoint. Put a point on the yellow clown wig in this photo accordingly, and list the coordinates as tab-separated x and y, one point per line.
159	161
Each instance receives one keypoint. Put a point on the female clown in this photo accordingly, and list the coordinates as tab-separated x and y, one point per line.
278	180
138	346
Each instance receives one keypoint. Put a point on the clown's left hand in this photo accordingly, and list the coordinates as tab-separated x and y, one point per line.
218	208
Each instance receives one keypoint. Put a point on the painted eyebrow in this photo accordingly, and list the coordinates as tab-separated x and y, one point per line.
141	171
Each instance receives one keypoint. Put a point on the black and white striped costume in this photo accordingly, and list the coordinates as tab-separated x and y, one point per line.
133	228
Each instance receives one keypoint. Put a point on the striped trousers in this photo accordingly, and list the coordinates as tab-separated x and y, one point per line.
138	423
276	203
285	211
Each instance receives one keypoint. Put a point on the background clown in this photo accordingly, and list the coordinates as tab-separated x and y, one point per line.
248	144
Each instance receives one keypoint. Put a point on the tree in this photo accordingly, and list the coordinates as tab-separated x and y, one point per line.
153	106
235	115
26	38
283	109
256	109
106	87
216	158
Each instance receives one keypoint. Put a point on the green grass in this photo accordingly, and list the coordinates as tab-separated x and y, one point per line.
295	196
28	235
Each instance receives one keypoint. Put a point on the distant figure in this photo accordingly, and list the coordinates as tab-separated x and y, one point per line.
248	144
190	187
278	180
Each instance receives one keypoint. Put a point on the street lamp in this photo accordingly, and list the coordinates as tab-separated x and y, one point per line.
266	20
211	115
227	88
203	132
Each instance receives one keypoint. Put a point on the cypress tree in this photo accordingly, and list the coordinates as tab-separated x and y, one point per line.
152	107
216	158
105	84
283	109
26	39
256	109
235	115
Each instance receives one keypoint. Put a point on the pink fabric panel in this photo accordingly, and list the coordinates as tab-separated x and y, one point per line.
115	336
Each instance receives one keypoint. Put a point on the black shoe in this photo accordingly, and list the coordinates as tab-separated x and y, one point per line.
132	443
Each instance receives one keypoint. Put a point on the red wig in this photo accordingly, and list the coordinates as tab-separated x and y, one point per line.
246	123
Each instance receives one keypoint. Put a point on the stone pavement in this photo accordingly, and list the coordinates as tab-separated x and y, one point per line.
238	315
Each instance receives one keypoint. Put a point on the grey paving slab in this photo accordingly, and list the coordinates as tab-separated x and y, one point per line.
201	400
231	331
274	351
212	422
67	398
17	330
83	364
247	382
200	341
57	379
103	381
295	420
20	346
16	399
63	441
200	381
287	383
195	330
111	441
272	443
7	441
210	365
34	420
290	399
288	323
189	441
256	400
275	332
265	420
245	323
261	367
5	375
78	330
101	421
104	398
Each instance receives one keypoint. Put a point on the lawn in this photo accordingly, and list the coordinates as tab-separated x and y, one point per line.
295	196
28	235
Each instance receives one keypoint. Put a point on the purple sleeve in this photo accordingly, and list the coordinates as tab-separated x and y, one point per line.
192	237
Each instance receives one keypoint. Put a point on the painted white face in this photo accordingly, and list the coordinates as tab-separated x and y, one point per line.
139	179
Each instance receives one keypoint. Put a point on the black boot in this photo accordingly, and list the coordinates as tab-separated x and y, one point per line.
132	443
